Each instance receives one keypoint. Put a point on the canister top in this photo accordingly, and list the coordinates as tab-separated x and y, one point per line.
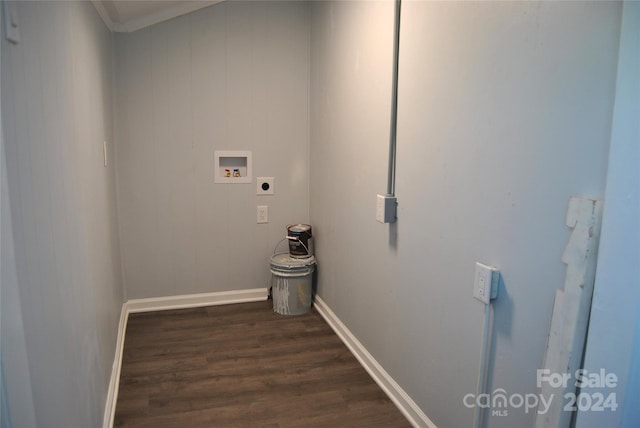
285	260
299	228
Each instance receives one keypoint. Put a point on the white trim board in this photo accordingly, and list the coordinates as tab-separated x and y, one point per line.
400	398
197	300
162	304
119	24
112	392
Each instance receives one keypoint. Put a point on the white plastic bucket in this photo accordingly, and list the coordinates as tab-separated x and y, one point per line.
291	284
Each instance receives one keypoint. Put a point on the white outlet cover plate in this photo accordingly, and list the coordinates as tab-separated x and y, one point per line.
482	282
270	181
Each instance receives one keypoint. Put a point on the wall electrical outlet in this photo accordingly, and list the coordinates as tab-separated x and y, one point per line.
485	285
263	214
265	186
386	206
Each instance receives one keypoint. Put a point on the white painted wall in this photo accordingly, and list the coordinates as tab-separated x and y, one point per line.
504	113
233	76
18	396
12	342
613	342
62	291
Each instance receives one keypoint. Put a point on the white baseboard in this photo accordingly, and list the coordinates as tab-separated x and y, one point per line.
399	397
161	304
197	300
112	393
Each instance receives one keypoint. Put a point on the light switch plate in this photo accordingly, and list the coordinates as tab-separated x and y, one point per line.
262	214
10	24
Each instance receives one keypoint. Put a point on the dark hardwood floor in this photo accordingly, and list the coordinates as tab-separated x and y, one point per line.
244	366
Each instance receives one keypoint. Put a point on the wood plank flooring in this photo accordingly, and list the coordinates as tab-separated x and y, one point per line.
244	366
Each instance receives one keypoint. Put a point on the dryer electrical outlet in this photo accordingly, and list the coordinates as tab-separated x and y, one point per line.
265	186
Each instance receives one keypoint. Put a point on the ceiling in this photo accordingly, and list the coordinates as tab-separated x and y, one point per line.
132	15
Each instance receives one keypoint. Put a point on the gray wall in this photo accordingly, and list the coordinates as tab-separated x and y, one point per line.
61	285
615	313
504	113
16	379
12	342
233	76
